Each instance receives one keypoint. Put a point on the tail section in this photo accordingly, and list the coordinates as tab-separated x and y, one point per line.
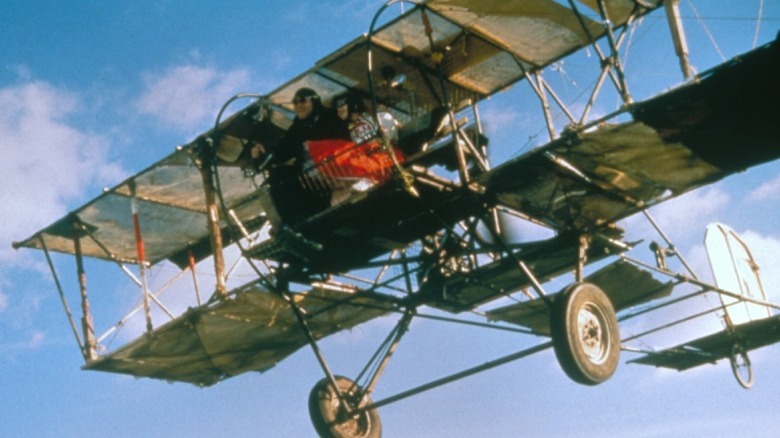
735	270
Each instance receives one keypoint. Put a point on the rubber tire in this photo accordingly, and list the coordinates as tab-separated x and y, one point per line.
586	363
744	381
324	411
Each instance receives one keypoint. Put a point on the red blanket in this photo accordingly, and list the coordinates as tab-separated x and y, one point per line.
342	159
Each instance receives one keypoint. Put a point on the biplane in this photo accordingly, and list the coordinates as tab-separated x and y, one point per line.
432	232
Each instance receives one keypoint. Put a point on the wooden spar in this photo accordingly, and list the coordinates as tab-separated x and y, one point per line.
678	35
141	255
90	344
207	170
191	262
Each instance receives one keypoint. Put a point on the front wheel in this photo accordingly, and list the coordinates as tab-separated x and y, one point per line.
330	417
585	334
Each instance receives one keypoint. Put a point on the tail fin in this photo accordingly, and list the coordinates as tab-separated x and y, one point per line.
736	271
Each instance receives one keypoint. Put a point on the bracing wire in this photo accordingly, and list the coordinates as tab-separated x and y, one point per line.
758	22
706	30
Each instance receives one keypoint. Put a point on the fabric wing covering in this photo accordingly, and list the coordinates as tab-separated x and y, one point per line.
251	332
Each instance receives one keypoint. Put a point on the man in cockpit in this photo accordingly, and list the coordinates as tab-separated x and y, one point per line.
295	197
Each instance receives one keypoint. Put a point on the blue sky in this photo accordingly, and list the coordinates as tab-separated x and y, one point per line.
93	91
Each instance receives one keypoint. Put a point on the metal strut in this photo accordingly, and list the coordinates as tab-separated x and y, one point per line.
611	62
62	294
614	55
669	243
454	377
537	285
407	179
282	289
389	345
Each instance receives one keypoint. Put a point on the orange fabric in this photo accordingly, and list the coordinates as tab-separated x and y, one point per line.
345	159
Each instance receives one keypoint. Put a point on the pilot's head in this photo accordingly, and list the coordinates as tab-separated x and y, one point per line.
305	102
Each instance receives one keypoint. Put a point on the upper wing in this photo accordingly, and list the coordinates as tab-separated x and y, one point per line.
489	46
697	134
171	209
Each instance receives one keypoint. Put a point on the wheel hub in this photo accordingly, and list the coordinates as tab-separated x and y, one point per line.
593	338
356	425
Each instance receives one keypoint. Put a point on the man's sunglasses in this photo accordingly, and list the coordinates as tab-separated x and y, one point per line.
301	99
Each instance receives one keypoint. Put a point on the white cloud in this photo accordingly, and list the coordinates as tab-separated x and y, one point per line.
498	118
46	162
10	349
187	97
768	190
689	210
680	218
36	339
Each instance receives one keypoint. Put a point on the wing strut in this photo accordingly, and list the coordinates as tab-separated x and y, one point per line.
208	171
139	243
90	344
678	34
191	264
611	63
614	59
62	294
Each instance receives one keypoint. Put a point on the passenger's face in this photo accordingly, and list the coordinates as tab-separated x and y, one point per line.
303	107
343	112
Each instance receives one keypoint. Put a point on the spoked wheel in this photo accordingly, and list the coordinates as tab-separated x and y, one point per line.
330	417
741	367
585	334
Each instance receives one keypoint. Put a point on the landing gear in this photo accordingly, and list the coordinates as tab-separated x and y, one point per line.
741	367
330	416
585	334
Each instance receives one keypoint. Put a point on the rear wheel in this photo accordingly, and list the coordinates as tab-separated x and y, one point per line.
585	334
330	417
741	367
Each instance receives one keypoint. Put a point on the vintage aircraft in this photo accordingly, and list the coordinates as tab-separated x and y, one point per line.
430	232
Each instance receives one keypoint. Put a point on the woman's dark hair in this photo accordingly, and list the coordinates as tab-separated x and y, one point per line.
353	101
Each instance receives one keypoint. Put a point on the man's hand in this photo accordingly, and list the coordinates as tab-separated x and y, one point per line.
257	151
